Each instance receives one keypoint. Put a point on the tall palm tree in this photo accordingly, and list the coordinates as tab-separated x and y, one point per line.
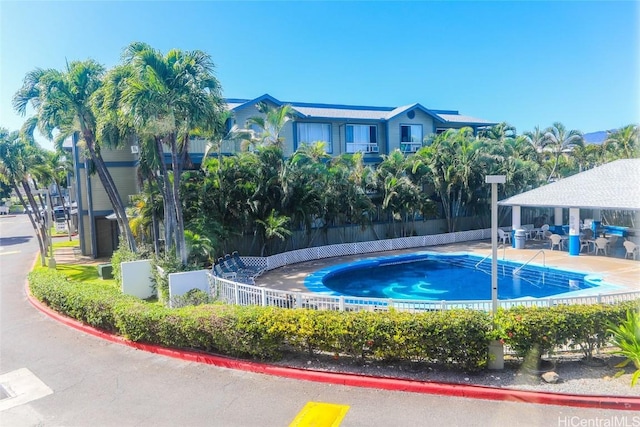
17	158
62	102
558	141
51	170
168	97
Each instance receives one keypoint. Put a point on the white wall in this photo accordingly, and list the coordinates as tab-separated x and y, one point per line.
181	283
136	278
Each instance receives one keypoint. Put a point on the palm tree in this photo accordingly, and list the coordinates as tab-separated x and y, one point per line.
168	97
557	140
51	170
623	142
62	102
17	158
498	132
270	124
274	225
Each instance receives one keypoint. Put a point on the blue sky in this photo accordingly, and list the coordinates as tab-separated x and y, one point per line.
526	63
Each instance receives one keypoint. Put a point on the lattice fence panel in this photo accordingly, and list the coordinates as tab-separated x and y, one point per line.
407	242
331	251
301	255
373	246
255	261
275	261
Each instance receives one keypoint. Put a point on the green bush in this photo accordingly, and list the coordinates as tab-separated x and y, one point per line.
586	326
626	336
453	338
533	330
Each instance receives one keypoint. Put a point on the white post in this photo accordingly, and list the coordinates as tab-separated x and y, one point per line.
494	180
557	216
496	349
516	217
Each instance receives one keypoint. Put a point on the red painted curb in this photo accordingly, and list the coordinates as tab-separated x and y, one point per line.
394	384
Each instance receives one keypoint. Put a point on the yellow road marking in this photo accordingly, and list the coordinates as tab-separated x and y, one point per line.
318	414
9	253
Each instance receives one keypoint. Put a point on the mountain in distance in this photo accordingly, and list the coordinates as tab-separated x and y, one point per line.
595	137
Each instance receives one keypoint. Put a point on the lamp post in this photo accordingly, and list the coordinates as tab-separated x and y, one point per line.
496	350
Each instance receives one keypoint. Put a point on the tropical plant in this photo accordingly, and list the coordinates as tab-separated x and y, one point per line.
269	124
273	226
623	142
17	158
62	103
558	141
168	97
626	336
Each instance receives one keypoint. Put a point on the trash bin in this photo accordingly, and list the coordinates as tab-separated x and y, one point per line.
520	237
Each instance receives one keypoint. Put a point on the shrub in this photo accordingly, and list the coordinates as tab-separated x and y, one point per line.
586	326
454	338
533	331
626	336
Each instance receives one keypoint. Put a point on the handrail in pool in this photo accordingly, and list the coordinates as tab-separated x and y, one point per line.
544	262
504	255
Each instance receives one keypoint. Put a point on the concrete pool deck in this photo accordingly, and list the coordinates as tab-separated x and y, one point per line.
619	271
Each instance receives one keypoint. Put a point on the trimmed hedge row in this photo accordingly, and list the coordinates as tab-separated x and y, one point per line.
454	338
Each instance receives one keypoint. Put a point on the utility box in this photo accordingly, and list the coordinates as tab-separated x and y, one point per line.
105	271
520	236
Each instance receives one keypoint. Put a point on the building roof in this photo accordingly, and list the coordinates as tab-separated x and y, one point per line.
359	112
614	186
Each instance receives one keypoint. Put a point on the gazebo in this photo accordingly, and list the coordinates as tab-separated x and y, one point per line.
612	186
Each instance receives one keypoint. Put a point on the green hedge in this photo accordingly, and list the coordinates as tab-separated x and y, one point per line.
453	338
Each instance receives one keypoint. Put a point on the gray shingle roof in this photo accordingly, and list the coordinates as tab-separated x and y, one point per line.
459	118
615	185
352	112
341	113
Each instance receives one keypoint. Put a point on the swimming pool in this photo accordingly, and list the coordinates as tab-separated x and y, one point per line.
433	276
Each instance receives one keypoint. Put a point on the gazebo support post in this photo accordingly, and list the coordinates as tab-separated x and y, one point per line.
574	231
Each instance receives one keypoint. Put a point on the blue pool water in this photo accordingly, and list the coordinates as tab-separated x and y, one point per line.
436	277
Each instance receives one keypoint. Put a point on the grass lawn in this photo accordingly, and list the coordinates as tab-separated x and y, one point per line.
86	273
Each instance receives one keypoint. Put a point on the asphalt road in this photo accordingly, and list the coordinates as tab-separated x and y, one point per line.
96	383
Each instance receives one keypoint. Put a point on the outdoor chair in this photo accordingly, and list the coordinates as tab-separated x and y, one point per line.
586	239
556	241
602	244
541	233
632	249
505	237
221	272
240	263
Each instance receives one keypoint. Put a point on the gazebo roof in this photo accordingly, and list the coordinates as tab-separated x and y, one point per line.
615	185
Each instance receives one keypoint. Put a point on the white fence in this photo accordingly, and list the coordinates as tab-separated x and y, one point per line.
244	294
241	294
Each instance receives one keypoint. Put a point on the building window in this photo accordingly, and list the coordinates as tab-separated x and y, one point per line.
362	138
411	133
410	138
308	133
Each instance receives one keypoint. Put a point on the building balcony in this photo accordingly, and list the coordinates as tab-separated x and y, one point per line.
363	147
